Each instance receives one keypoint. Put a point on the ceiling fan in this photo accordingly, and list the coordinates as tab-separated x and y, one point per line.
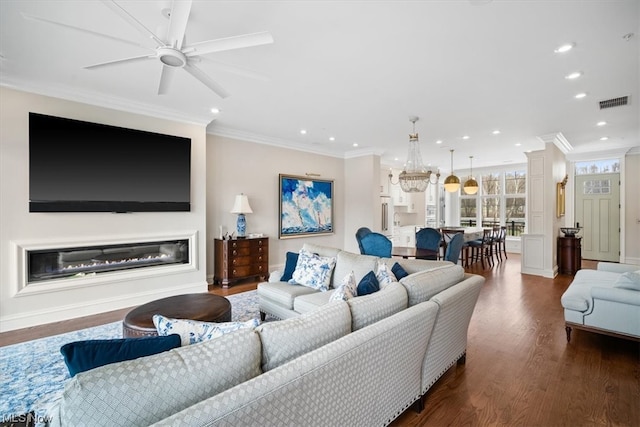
171	50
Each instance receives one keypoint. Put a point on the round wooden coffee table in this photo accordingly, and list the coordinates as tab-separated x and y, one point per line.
204	307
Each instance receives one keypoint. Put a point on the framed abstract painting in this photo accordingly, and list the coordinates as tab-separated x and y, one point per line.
306	206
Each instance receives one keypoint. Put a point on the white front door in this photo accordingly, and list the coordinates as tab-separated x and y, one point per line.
598	212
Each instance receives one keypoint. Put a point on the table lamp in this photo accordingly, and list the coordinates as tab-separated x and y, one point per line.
241	207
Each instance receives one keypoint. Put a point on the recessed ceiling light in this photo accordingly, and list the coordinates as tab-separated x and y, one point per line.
564	48
604	138
439	141
580	95
396	159
573	75
496	132
602	123
355	144
518	144
331	138
465	137
303	131
215	110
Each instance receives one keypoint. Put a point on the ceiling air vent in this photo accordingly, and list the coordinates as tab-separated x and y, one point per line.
614	102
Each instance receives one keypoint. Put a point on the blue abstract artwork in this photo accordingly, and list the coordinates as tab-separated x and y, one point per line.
306	206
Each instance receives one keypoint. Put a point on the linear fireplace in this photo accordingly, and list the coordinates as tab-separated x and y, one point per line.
82	261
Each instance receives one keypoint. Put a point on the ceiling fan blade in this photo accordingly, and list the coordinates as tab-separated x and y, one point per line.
132	21
206	80
165	79
233	69
83	30
121	61
178	22
228	43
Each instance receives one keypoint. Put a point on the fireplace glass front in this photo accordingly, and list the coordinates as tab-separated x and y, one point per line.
51	264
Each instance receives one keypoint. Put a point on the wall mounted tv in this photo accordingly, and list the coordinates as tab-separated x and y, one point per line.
77	166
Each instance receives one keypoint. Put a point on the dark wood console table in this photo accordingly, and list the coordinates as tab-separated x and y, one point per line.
237	259
569	255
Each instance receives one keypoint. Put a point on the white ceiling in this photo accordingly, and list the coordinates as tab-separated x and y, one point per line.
356	70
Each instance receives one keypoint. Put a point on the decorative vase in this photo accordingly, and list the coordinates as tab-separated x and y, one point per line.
241	226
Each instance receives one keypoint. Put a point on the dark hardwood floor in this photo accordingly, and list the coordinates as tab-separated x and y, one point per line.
520	370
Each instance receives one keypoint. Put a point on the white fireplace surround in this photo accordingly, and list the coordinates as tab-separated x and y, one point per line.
19	272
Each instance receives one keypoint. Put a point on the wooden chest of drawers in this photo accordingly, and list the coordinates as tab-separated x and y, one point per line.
240	259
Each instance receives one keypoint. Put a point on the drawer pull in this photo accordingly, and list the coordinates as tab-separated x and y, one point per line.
235	252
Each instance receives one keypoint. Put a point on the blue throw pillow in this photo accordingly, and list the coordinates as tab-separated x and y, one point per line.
290	266
398	271
81	356
368	285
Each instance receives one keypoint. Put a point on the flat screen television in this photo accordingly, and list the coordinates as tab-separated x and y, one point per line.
77	166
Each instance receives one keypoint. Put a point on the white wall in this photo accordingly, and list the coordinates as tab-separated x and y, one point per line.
235	167
362	198
18	225
632	208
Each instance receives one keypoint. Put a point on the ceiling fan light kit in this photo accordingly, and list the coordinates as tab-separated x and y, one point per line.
170	51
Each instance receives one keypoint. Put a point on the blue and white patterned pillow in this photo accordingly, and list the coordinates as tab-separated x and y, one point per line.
384	275
194	331
347	289
313	271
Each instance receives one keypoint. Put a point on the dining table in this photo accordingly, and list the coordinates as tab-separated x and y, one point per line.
413	252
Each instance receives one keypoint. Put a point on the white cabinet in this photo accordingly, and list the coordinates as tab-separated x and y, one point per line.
384	182
402	199
407	236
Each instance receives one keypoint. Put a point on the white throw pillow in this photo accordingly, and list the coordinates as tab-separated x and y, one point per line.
384	274
194	331
630	280
313	271
347	289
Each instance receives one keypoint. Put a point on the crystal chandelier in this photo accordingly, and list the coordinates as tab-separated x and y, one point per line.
414	178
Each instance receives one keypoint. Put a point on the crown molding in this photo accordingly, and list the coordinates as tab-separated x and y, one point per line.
617	153
364	152
559	140
102	100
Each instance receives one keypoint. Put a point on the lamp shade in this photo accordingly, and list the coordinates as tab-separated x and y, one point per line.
241	205
471	186
452	183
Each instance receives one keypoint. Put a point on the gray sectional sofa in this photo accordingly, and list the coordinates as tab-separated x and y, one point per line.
360	362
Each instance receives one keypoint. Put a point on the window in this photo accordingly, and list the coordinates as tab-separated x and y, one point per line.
598	166
500	201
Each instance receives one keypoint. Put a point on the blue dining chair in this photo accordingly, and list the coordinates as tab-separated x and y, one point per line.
362	231
376	244
429	238
454	247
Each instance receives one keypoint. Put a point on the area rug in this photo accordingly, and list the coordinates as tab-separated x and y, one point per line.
33	373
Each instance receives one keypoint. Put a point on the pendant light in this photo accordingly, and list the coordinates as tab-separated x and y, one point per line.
415	177
471	185
452	183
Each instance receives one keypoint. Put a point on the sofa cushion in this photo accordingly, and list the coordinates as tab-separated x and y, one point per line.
287	339
368	285
321	250
369	309
194	331
313	270
398	271
423	285
384	274
359	264
629	280
578	295
283	293
148	389
80	356
310	302
289	266
348	289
